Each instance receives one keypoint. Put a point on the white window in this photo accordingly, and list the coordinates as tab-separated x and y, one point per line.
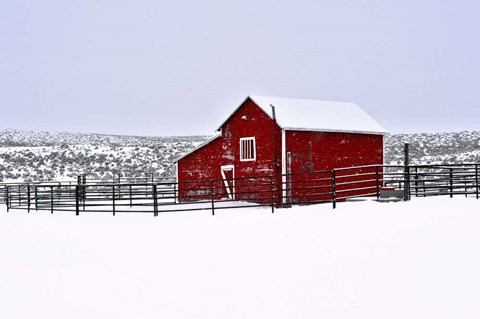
247	149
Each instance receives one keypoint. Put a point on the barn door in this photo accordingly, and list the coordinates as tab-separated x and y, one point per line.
228	176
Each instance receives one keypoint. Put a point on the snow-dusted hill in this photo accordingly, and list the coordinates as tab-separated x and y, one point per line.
32	156
438	148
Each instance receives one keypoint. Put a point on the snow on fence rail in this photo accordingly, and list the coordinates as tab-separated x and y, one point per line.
330	186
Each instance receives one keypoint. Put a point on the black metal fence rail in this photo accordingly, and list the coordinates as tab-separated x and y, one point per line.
436	180
331	186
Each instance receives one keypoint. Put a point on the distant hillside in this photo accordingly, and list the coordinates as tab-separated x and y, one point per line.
438	148
11	137
34	156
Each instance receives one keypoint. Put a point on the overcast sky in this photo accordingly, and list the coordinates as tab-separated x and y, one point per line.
153	67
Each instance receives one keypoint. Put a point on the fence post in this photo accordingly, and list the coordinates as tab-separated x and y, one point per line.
334	190
451	182
212	197
416	181
28	198
378	181
406	183
77	201
476	178
36	198
288	190
155	200
7	198
146	184
130	191
174	193
271	194
113	199
51	199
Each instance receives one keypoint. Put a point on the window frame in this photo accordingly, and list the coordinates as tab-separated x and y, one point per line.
243	152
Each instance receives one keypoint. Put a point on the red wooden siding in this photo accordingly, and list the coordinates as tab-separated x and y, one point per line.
319	151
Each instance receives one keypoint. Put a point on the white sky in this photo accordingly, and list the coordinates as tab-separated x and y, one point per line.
152	67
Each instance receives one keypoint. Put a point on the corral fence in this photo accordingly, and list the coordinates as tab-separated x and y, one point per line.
115	178
332	186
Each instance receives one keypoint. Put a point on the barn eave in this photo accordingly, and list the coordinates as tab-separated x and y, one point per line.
385	133
210	140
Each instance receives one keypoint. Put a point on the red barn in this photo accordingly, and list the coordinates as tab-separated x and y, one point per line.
279	141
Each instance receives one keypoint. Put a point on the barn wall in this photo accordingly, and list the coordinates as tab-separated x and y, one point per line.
196	170
205	163
319	151
312	151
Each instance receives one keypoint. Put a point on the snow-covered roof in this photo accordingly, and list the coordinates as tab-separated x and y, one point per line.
302	114
311	115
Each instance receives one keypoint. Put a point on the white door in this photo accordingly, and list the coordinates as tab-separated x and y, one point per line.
228	176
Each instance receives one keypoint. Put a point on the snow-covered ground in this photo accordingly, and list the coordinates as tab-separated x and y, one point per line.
417	259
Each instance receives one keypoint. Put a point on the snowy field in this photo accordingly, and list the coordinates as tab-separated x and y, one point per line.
417	259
